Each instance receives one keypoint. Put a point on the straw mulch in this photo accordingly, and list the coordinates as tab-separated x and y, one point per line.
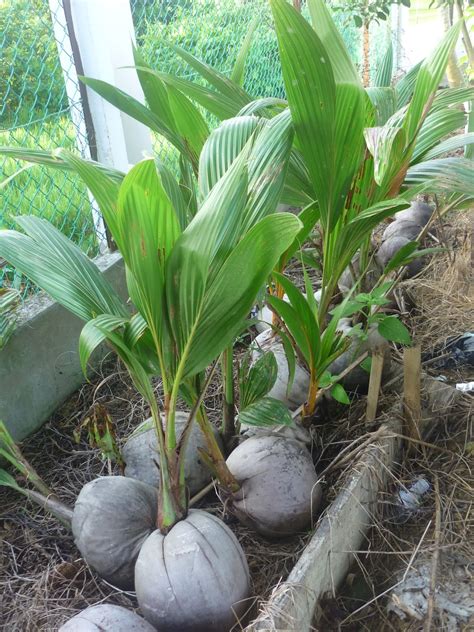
434	545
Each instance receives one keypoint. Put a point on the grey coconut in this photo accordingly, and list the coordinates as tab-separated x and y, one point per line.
402	228
346	280
112	518
296	431
279	493
389	249
419	212
141	457
195	578
299	388
358	378
106	618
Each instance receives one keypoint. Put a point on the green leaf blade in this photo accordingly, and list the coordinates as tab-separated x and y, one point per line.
266	413
391	328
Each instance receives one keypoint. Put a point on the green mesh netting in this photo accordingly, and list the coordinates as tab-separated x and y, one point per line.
214	29
35	112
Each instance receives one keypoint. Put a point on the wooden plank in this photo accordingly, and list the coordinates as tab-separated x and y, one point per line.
412	391
374	385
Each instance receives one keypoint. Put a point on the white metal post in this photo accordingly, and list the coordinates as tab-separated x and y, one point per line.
76	111
105	33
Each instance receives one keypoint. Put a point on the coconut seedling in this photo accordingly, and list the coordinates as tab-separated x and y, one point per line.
192	290
268	142
360	152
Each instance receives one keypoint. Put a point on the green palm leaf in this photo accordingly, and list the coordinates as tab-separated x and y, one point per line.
437	125
175	110
60	268
444	175
131	106
384	101
451	96
328	115
149	229
383	76
405	87
232	293
267	167
214	230
221	149
55	160
449	145
214	102
263	106
225	86
237	75
341	63
266	412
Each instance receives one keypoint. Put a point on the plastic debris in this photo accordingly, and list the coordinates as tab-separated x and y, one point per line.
409	499
453	598
465	387
456	352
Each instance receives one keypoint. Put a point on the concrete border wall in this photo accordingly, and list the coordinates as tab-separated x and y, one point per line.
327	558
39	366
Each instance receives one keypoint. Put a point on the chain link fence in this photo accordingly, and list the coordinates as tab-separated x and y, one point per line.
213	31
41	104
35	112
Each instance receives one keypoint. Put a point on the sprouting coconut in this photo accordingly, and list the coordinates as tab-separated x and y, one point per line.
198	567
279	491
188	330
142	459
106	618
266	341
112	518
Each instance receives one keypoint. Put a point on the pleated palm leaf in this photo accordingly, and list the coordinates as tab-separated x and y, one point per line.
192	288
366	153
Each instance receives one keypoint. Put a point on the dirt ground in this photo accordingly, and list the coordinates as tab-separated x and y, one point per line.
43	580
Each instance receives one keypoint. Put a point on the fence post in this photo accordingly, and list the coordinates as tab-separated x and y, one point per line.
76	110
105	34
401	21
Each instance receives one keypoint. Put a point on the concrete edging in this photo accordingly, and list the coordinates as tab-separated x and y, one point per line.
39	366
326	559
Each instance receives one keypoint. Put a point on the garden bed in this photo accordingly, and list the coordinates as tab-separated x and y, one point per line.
44	582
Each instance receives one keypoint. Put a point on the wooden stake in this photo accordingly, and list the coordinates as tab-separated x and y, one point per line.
412	391
374	385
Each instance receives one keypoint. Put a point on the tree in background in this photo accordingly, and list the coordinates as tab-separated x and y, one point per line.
451	11
364	13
